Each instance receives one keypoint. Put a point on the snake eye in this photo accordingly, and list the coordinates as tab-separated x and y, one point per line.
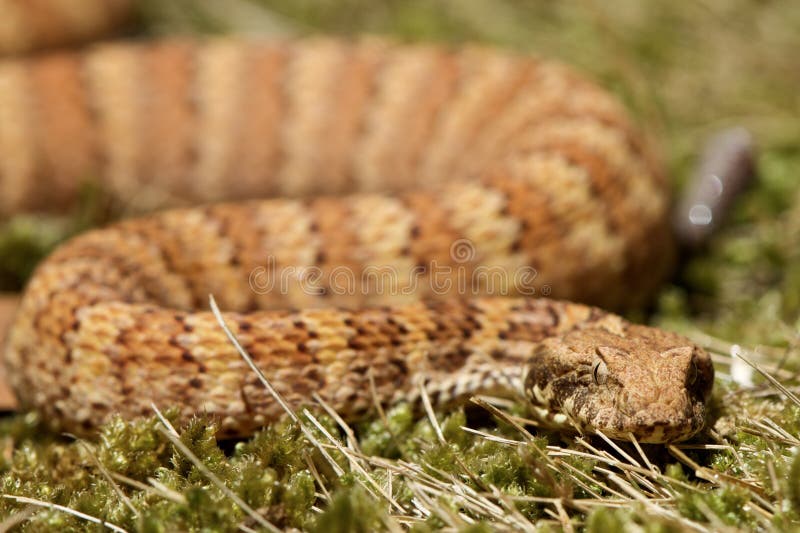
599	372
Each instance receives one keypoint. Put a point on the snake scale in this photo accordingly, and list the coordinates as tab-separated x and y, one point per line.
373	155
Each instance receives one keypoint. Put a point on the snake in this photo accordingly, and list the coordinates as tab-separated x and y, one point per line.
379	222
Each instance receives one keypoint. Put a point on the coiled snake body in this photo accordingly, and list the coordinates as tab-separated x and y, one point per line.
387	157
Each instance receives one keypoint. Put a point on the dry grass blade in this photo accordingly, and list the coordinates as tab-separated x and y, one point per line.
267	385
315	474
603	457
376	402
352	441
16	519
643	455
477	400
648	503
106	474
576	476
426	402
354	462
712	475
619	450
176	441
249	360
166	492
490	437
67	510
767	429
157	488
774	382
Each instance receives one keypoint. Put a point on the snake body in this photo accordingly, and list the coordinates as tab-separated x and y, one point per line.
387	158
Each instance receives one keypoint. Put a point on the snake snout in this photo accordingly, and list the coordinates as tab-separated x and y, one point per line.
650	418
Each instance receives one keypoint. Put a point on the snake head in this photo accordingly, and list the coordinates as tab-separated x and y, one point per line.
622	381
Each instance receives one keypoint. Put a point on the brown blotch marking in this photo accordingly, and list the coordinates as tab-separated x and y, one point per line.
119	340
569	387
245	400
187	356
164	359
453	360
604	183
356	344
195	383
313	373
554	318
595	314
475	324
360	368
400	365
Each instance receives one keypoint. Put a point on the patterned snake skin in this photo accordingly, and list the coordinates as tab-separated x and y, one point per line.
463	173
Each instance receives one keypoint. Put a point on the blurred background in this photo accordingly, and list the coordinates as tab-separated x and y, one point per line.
685	69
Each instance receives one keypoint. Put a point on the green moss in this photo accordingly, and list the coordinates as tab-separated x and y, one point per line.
24	241
728	504
350	511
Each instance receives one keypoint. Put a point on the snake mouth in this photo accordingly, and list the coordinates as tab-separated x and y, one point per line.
658	433
654	431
